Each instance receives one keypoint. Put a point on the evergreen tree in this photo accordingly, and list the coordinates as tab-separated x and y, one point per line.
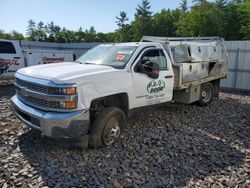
122	26
143	21
221	3
143	10
52	30
183	5
31	30
40	33
122	19
227	18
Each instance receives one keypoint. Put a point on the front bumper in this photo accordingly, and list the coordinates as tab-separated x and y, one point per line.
52	124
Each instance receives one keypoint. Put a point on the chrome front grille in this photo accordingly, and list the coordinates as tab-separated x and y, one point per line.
33	101
27	98
39	93
32	86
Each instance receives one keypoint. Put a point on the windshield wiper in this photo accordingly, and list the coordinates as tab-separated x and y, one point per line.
78	61
85	63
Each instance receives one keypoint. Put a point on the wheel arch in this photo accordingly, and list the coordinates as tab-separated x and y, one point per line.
119	100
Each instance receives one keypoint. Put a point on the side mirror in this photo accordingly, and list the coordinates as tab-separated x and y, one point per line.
138	67
151	69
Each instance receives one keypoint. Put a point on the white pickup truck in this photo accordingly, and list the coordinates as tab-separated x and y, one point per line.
93	97
13	57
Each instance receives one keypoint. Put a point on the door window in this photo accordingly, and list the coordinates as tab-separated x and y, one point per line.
7	48
155	56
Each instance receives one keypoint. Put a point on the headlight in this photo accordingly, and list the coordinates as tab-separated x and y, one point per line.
62	91
68	97
63	104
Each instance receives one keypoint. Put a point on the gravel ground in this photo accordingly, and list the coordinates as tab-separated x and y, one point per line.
174	146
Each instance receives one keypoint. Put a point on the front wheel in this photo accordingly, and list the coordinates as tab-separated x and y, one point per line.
107	127
206	94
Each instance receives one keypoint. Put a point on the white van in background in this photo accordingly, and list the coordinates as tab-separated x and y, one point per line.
13	57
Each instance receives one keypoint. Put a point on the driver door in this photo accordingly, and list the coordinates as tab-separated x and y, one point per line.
148	90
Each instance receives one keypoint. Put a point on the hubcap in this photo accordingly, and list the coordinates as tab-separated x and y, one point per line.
111	131
206	94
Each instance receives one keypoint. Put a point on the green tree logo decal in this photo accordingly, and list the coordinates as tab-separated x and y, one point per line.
155	86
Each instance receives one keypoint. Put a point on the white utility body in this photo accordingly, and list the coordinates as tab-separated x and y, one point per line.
13	57
95	95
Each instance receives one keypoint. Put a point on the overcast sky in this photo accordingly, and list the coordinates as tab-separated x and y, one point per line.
72	14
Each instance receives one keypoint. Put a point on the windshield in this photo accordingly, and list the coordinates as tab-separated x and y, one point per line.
111	55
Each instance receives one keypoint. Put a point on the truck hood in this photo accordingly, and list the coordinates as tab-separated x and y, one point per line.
63	72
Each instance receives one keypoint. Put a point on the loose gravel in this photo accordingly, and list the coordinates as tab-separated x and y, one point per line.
173	146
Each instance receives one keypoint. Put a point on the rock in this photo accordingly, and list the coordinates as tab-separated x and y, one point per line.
116	184
5	185
39	179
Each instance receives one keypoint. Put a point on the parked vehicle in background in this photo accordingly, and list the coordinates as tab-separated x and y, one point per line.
94	96
13	57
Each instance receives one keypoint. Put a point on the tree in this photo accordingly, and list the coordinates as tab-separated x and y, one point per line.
227	18
164	22
65	36
244	12
203	20
13	35
231	22
101	37
80	35
112	37
221	3
122	19
16	35
31	30
143	10
183	5
90	35
143	21
52	30
40	33
123	27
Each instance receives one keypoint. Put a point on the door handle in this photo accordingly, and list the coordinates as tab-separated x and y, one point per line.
17	58
169	76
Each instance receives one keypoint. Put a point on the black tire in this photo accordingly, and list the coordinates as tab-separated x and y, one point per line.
105	125
206	94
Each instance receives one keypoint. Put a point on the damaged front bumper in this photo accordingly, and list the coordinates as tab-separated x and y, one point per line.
52	124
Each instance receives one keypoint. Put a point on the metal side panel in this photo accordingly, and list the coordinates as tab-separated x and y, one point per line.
187	96
194	71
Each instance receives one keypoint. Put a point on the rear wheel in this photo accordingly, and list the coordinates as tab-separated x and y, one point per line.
107	127
206	94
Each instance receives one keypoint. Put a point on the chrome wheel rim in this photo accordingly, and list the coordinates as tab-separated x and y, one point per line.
206	94
111	131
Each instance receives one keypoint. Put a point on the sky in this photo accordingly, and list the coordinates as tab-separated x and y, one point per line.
72	14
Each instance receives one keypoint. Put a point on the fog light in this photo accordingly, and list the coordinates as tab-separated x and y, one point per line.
70	104
63	105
